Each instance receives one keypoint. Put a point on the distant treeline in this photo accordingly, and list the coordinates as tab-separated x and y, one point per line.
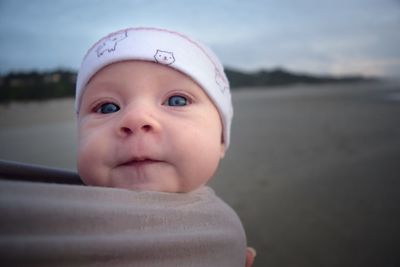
61	83
37	85
278	77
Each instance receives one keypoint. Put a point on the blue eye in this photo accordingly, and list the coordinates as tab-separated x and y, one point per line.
107	108
177	101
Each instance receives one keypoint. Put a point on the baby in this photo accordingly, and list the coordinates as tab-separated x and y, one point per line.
154	115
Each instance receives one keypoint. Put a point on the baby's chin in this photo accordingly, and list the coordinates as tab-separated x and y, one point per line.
143	183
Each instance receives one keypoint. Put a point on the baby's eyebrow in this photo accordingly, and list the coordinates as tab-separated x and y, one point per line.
103	88
98	90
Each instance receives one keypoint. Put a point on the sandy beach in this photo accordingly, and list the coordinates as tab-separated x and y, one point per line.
313	171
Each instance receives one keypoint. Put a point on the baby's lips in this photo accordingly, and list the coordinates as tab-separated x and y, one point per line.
138	159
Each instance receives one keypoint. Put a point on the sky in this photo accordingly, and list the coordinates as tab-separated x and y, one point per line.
333	37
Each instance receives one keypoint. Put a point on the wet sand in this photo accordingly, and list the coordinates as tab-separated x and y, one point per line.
313	172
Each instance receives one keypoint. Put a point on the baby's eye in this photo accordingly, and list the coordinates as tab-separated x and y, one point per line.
107	108
176	100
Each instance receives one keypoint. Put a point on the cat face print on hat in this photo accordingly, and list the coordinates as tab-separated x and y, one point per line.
164	57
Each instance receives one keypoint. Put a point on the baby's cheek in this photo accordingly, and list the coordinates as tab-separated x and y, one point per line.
83	164
87	160
203	165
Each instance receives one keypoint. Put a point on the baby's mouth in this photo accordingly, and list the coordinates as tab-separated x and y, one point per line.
136	162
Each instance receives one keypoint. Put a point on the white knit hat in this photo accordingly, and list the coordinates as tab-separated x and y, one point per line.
165	47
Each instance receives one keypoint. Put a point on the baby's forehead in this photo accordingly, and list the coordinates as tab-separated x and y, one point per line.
143	74
112	73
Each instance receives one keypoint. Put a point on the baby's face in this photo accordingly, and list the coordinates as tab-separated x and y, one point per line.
145	126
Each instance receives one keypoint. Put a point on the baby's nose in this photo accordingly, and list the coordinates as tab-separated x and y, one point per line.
136	121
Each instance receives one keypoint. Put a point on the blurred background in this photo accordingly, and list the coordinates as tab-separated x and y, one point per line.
313	170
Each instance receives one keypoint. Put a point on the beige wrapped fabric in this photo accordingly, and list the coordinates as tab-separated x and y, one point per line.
45	224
